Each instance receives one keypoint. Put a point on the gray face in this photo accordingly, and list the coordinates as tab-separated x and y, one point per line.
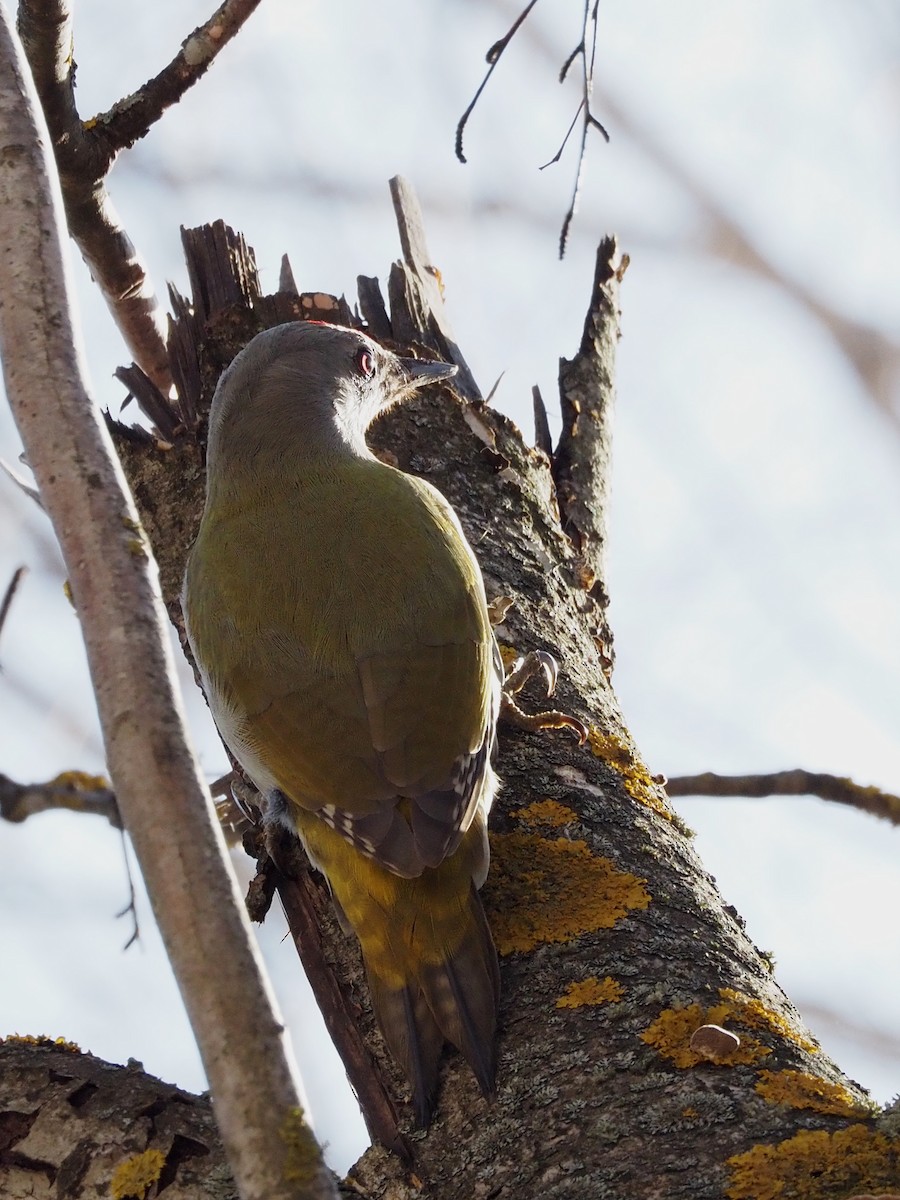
308	389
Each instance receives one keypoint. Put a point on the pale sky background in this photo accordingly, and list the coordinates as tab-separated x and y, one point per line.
755	559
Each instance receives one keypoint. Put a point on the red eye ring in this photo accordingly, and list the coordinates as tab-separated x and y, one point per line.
365	362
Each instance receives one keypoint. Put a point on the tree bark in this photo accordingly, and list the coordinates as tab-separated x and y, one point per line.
615	946
72	1125
620	961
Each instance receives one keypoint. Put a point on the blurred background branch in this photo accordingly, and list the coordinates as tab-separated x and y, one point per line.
790	783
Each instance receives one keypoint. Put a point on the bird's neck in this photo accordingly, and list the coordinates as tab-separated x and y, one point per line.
259	474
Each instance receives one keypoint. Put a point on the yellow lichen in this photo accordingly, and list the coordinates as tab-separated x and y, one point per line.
671	1033
39	1040
508	655
543	890
546	812
636	777
303	1159
755	1015
590	991
689	1113
80	781
133	1177
672	1030
799	1090
814	1165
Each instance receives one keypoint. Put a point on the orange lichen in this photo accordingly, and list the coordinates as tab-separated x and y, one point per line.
671	1033
133	1177
799	1090
755	1015
590	991
689	1113
636	777
816	1165
546	812
542	890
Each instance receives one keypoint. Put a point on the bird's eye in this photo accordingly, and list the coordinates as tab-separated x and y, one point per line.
365	362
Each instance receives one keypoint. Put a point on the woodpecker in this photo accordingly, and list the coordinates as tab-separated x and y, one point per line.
337	616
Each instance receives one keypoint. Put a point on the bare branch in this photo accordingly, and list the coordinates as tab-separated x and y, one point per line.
493	57
120	273
589	120
114	584
83	161
74	791
791	783
130	119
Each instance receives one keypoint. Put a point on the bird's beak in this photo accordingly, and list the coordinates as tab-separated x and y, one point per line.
419	372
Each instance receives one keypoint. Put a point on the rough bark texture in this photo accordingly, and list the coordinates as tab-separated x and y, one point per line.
72	1125
615	945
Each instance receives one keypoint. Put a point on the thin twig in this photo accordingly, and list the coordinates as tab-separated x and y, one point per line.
493	56
131	907
589	121
17	576
21	483
791	783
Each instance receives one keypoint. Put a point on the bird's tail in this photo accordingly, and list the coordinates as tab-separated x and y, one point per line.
429	956
441	984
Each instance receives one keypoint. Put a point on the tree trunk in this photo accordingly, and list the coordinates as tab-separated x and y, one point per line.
645	1049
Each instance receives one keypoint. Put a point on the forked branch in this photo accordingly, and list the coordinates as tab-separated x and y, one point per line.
584	110
86	150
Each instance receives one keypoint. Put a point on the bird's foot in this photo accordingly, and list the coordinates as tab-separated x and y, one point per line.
534	663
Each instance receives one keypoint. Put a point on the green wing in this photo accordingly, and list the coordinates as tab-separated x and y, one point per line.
354	654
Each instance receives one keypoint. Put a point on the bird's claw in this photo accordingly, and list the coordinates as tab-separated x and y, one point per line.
553	719
523	669
527	667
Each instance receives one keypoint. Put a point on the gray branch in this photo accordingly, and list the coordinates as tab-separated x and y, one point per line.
165	805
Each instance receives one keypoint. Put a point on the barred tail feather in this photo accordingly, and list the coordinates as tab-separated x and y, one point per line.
463	993
413	1038
450	995
430	960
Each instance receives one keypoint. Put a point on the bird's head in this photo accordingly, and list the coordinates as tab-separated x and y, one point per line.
308	390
